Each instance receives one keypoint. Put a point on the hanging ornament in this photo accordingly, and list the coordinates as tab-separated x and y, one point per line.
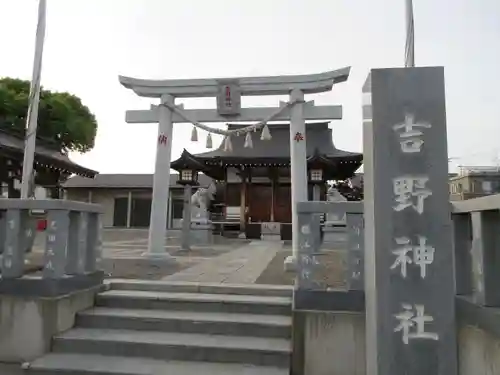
248	140
209	141
228	147
266	134
194	135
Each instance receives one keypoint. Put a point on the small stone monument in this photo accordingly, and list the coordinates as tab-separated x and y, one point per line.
201	225
335	225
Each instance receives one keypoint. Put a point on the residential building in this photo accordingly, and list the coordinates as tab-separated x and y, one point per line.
126	198
474	182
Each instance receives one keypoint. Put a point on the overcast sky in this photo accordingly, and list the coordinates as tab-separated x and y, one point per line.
90	42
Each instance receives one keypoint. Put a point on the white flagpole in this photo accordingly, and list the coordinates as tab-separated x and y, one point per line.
410	36
27	187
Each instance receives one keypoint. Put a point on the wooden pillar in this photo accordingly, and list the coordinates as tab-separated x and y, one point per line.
274	177
249	192
225	193
274	185
243	199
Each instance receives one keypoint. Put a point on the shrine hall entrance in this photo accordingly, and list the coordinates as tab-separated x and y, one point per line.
261	203
283	204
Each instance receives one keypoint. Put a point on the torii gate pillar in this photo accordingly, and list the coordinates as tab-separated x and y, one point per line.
298	170
161	181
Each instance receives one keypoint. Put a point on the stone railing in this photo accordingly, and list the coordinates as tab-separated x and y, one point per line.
476	224
476	229
319	256
72	246
476	246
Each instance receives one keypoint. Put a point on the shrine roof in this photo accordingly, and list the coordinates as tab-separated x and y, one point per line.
318	141
13	145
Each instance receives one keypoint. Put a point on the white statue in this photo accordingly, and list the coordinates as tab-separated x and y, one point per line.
200	201
333	195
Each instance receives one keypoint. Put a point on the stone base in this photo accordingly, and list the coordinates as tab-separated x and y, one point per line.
290	264
334	234
28	323
36	286
270	237
201	233
270	231
156	258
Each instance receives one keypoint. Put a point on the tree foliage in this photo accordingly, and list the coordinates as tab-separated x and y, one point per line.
349	191
62	118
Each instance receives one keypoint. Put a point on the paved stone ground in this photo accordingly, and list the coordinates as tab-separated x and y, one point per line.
241	266
226	261
8	369
123	254
125	258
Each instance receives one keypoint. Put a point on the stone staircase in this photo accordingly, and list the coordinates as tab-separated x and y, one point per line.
146	328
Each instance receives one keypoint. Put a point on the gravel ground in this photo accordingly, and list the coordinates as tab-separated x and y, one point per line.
329	272
142	268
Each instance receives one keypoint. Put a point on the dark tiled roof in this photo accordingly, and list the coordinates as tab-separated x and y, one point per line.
318	136
125	181
43	154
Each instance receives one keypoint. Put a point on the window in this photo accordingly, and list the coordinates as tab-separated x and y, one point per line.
316	174
487	187
177	208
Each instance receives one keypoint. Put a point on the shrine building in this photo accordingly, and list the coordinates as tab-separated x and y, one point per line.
254	183
51	167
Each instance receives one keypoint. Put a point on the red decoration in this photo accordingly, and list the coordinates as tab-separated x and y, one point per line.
298	137
41	225
162	139
228	96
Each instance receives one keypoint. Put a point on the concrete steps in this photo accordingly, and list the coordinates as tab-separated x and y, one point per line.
206	288
164	328
245	304
83	364
272	326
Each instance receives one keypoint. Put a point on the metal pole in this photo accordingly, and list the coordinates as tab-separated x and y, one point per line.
410	36
27	186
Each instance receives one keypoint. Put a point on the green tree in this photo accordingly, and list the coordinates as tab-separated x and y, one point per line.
62	118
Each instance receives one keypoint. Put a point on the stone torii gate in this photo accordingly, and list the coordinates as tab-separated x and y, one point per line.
167	113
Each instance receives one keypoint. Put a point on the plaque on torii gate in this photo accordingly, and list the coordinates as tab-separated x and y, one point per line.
228	93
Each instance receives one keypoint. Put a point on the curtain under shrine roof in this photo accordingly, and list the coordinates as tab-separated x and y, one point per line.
321	153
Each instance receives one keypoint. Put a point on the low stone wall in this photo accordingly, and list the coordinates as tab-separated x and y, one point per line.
333	343
479	351
27	324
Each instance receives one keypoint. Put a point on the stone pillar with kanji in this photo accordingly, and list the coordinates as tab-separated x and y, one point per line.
409	276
